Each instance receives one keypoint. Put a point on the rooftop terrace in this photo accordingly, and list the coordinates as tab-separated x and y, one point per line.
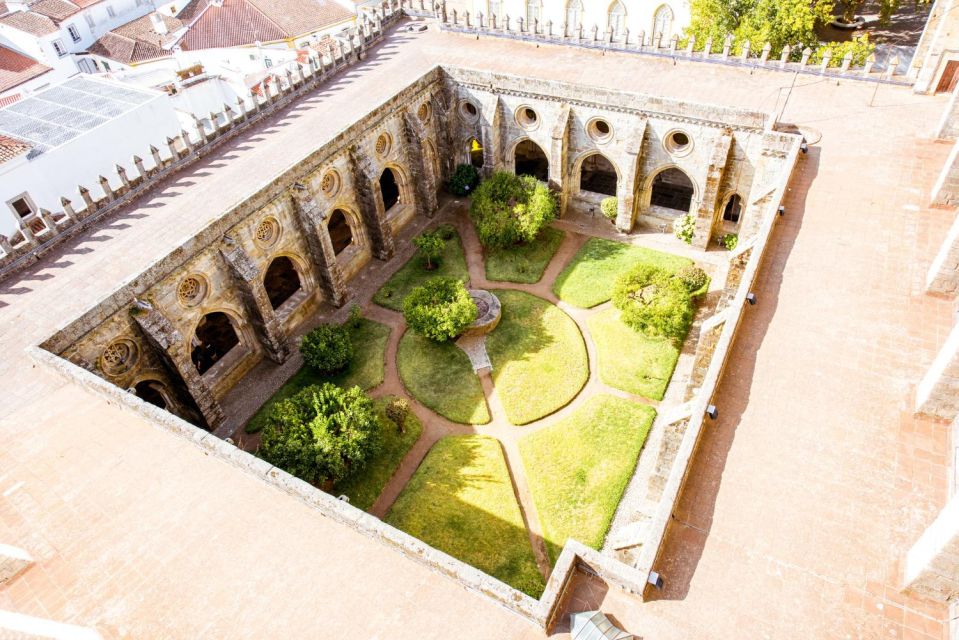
805	494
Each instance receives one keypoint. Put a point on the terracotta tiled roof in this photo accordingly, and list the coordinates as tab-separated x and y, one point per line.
56	10
16	68
297	17
192	10
137	41
243	22
10	148
30	22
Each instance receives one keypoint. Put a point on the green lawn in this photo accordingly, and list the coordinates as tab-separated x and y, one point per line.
589	278
538	355
523	263
413	274
441	377
630	360
578	469
366	487
366	371
461	501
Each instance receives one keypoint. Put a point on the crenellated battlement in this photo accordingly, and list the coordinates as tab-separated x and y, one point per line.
41	232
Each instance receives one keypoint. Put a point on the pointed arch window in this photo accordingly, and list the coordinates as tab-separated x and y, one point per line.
617	17
574	14
663	22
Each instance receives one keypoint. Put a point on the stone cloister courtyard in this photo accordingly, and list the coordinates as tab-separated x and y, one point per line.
571	371
800	499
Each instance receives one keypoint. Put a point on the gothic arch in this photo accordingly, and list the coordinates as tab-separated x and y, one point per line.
282	280
596	173
530	159
663	22
394	187
217	333
671	187
732	207
574	15
616	17
474	151
153	391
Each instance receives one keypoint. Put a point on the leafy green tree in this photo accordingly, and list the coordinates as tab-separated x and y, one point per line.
322	434
464	180
508	209
654	302
859	47
851	8
778	22
440	309
431	245
328	348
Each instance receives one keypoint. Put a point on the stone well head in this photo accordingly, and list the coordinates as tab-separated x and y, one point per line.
489	312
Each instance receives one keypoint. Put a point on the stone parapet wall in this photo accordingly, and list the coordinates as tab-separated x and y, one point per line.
725	51
41	233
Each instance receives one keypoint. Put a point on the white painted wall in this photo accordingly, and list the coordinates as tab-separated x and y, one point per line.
57	172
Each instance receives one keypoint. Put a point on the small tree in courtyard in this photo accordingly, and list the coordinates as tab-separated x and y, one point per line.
653	301
464	180
397	410
431	245
328	348
440	309
323	434
508	209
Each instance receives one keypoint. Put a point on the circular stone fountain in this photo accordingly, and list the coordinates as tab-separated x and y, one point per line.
489	312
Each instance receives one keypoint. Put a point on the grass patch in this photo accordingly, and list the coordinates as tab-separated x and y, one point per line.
523	263
589	278
441	377
630	360
413	274
538	355
578	469
365	371
461	501
366	487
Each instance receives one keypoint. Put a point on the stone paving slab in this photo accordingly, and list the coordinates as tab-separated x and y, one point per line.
475	348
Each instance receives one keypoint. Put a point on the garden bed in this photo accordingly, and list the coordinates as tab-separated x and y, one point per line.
523	263
452	264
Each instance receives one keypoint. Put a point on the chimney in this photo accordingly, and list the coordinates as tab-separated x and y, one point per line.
158	24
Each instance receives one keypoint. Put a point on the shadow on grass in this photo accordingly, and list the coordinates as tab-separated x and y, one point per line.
461	501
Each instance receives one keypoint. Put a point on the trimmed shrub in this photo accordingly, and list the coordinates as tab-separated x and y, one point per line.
356	314
609	207
508	209
692	277
654	302
328	348
464	180
397	410
323	434
730	240
440	309
684	227
431	246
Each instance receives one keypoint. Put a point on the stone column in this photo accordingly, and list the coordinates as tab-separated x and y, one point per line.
559	181
491	130
443	113
313	225
943	276
768	172
364	184
709	197
626	184
945	193
174	351
932	564
422	175
247	278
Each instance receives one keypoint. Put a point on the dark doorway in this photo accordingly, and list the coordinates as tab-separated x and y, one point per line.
947	83
531	161
149	391
672	189
281	281
340	232
476	153
734	209
598	175
214	338
389	189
